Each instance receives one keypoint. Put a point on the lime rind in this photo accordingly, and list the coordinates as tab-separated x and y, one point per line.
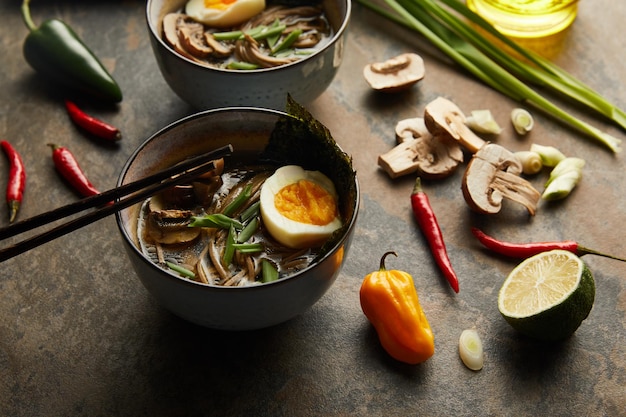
561	316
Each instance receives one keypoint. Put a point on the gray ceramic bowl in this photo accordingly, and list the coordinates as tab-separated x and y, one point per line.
232	308
208	88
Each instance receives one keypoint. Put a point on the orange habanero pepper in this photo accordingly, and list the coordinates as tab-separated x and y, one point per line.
390	302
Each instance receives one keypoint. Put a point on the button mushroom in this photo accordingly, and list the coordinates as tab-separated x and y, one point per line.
395	74
444	118
419	151
492	174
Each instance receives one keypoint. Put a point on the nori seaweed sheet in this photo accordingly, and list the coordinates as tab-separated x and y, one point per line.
300	139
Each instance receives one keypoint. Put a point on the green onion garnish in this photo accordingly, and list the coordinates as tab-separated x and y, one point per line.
181	270
217	220
268	271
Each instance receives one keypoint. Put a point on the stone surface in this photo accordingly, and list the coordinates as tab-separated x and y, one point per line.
79	335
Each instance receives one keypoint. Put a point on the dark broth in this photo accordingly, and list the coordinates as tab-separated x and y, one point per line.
204	254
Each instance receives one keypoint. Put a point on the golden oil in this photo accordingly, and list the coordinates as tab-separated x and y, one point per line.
527	18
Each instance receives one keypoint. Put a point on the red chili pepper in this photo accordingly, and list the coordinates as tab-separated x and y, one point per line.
427	221
526	250
92	125
17	179
68	167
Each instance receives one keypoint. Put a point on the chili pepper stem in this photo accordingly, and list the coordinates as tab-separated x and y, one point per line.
28	20
14	206
382	260
586	251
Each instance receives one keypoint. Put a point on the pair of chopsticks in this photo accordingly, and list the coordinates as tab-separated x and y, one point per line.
122	197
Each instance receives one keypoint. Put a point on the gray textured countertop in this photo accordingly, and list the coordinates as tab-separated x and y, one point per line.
80	336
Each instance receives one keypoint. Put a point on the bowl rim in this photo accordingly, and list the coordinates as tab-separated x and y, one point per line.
128	240
334	39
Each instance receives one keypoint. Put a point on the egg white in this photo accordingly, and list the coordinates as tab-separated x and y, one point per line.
289	232
235	13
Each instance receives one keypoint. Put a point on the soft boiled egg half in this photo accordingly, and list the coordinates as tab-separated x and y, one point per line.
223	13
299	207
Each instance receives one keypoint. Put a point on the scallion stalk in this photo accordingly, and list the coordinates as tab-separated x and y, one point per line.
248	247
443	29
241	65
251	211
229	250
269	272
216	220
238	201
181	270
248	230
287	41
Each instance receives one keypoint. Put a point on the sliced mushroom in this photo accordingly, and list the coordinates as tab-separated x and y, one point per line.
410	129
219	50
493	174
169	226
171	23
419	151
444	118
193	40
248	50
395	74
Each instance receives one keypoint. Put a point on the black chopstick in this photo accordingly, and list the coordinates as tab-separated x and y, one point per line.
142	189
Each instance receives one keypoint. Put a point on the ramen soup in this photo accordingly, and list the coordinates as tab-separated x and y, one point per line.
246	34
240	226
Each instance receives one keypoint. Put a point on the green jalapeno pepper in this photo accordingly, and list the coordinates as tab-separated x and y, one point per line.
55	51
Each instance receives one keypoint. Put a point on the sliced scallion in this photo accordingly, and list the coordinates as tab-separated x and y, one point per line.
563	178
550	156
269	272
241	65
522	120
250	212
471	349
228	36
248	247
181	270
229	250
531	161
238	201
217	220
287	41
248	230
271	40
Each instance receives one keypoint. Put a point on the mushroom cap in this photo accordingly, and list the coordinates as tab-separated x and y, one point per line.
395	74
492	175
444	118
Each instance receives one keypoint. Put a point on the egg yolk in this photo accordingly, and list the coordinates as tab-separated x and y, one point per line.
306	202
218	4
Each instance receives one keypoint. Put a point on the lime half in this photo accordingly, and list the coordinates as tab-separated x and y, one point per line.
548	296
